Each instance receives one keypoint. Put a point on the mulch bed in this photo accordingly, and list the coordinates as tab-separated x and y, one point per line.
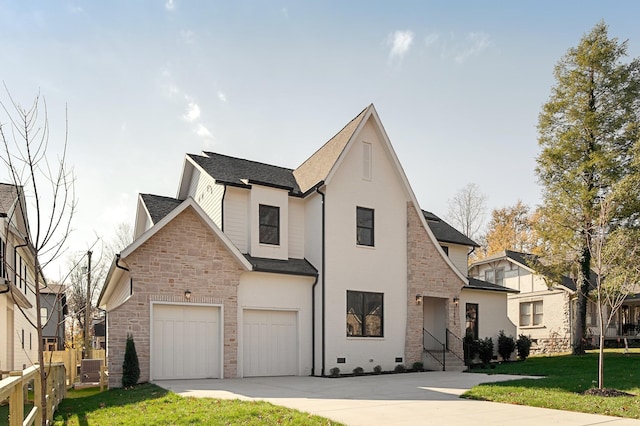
606	392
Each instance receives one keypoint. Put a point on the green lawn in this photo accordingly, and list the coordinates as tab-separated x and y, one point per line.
151	405
566	377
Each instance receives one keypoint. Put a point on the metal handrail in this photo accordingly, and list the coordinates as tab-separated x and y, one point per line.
430	341
455	345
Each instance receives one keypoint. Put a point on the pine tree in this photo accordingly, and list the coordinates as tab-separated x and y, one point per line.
130	366
586	131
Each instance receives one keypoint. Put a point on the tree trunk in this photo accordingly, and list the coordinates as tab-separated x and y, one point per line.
583	288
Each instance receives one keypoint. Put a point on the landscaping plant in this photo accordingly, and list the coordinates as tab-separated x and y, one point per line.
524	346
506	345
130	366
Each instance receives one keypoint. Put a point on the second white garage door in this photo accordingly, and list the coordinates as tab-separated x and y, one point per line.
270	344
186	342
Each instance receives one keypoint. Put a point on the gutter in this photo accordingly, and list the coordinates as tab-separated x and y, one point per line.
125	269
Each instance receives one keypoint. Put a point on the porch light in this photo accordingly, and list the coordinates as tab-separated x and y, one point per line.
456	300
418	299
187	295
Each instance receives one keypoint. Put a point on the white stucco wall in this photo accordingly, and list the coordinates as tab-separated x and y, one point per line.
278	292
492	313
380	269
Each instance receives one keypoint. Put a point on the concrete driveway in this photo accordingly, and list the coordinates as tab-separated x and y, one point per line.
396	399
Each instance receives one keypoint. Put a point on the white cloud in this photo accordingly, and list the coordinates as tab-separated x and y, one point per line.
222	96
170	5
475	43
193	112
400	42
431	39
202	131
188	36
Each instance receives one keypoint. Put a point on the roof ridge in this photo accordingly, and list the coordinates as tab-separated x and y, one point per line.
242	159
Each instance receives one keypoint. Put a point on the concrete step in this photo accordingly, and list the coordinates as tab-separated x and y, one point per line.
452	362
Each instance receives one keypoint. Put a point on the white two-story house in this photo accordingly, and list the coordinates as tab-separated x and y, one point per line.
18	337
259	270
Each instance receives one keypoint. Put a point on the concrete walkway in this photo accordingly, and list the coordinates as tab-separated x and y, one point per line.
397	399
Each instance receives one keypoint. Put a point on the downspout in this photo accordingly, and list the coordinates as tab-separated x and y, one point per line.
125	269
224	194
313	326
322	194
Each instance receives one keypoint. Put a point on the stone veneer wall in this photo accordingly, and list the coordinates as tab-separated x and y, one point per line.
185	254
428	275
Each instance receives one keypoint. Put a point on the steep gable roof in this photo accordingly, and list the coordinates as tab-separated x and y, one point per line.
317	167
446	233
476	284
159	206
240	172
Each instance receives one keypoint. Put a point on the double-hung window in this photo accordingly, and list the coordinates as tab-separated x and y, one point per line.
531	313
269	225
364	226
364	314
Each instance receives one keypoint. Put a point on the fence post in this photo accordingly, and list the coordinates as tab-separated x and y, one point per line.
37	396
16	402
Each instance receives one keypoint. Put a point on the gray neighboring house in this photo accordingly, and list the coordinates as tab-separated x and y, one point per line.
53	313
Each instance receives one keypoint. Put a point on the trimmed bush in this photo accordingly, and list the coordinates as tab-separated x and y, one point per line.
506	345
417	366
358	371
485	350
524	346
130	366
335	372
377	369
400	368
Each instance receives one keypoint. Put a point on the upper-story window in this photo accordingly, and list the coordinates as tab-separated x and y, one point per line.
364	225
495	276
269	225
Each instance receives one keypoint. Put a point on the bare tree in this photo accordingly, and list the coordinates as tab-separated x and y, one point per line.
47	188
467	210
615	258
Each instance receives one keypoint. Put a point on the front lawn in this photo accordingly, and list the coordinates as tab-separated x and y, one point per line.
151	405
566	377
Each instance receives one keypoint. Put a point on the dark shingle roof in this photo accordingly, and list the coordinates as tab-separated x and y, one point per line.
290	266
476	284
8	195
239	172
446	233
159	206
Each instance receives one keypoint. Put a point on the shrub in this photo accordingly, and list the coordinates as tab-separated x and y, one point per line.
485	350
417	366
400	368
470	346
524	346
377	369
358	371
130	366
335	371
506	345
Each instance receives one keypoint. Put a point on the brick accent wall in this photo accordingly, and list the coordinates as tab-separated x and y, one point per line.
185	254
428	275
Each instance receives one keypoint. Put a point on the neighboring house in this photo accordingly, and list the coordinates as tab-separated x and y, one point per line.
482	305
18	338
259	270
543	308
53	314
99	333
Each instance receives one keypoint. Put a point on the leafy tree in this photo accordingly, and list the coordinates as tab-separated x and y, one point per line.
586	132
467	210
511	228
130	366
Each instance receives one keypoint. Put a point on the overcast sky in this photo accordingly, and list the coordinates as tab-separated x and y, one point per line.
458	87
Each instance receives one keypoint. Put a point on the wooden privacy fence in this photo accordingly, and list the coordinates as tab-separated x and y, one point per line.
71	359
13	387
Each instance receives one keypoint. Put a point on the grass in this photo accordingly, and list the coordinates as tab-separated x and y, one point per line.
565	378
148	404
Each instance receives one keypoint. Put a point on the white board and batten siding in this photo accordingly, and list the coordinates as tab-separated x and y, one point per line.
458	256
186	341
208	195
296	228
270	344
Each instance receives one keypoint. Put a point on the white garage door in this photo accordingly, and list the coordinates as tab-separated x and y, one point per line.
270	344
186	342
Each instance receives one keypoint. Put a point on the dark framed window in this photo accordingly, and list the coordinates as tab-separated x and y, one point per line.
364	226
269	225
365	314
471	323
445	249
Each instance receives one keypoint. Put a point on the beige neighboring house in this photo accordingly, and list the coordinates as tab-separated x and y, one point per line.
542	309
258	270
18	338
